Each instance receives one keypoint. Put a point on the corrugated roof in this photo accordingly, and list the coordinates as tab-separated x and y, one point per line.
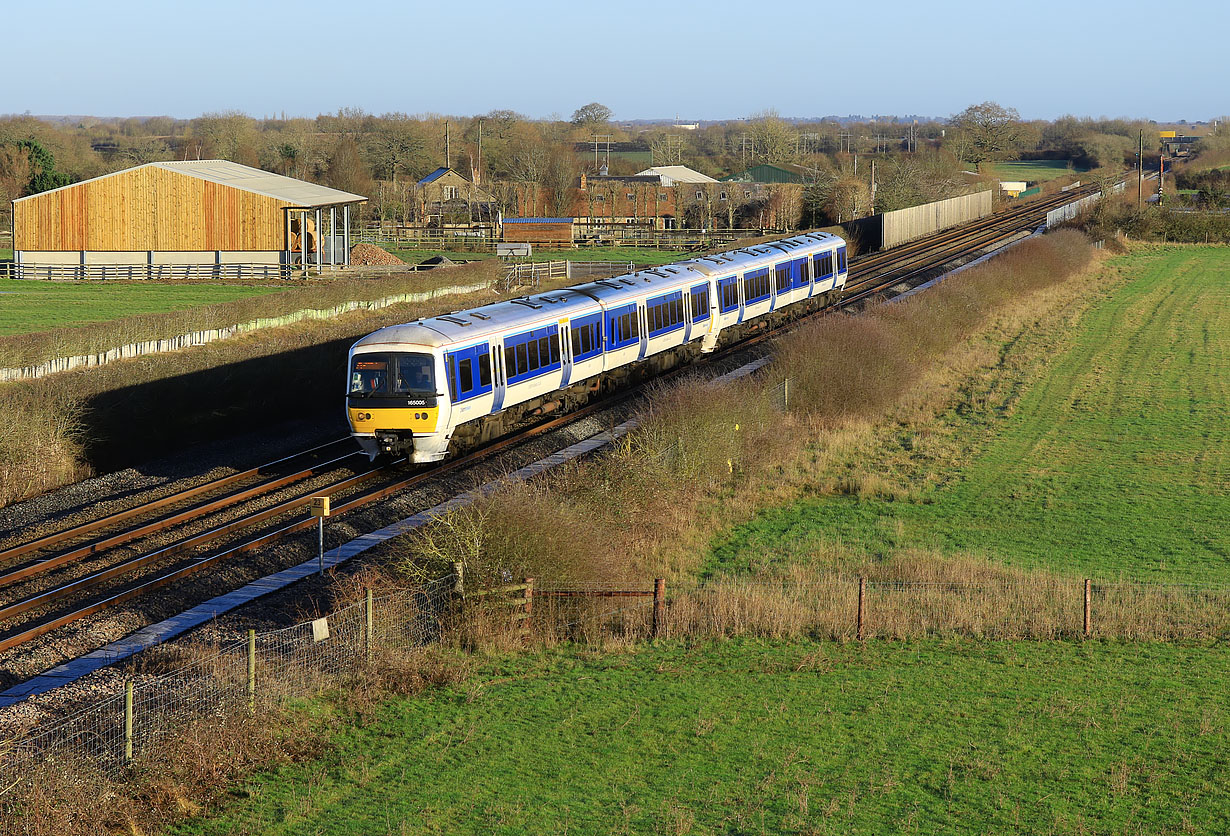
538	220
677	174
227	173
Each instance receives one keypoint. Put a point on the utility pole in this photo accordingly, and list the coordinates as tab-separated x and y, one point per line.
873	186
480	151
1140	171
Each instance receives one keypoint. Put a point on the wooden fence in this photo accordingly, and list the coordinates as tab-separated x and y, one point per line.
903	225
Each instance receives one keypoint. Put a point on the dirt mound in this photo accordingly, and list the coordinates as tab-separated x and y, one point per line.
369	255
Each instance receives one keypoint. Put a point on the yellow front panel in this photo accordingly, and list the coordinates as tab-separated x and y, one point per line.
401	418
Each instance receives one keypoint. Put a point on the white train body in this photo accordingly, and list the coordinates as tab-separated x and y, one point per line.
414	388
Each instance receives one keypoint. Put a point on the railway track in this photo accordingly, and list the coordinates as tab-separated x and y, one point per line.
103	573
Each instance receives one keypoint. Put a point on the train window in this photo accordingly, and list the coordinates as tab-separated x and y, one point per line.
841	259
804	272
700	303
523	360
782	272
756	285
484	369
369	376
544	351
465	376
730	294
553	344
450	370
532	350
824	265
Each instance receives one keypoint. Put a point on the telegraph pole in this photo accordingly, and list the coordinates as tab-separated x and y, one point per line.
1140	172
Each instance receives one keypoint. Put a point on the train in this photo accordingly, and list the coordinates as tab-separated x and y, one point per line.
430	387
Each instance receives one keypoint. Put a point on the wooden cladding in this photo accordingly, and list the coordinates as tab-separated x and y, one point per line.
149	208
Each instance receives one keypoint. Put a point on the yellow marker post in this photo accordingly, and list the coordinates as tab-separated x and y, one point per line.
320	510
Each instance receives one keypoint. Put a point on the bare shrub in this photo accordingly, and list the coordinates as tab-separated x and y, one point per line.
40	441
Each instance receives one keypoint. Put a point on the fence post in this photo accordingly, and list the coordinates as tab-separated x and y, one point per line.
862	606
128	721
1088	602
252	671
529	607
659	606
370	632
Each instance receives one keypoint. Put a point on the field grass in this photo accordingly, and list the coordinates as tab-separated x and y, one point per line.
798	737
29	305
1030	170
639	255
1115	464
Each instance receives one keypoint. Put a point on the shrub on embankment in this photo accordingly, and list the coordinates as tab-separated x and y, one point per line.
705	455
1117	217
65	426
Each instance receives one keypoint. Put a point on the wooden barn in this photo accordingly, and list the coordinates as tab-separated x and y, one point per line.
192	218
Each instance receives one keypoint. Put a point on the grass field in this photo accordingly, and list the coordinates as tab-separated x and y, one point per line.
639	255
801	737
1117	464
27	305
1031	170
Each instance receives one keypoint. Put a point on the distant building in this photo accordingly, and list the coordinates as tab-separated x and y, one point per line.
538	230
196	217
445	197
669	175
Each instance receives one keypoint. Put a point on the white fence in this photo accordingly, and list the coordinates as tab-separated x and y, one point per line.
123	352
1069	211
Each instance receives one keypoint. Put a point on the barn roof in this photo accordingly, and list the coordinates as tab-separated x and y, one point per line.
248	179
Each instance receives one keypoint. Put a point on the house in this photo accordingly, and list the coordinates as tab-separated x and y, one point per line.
446	197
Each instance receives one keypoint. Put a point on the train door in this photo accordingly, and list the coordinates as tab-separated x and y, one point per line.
643	318
565	351
497	374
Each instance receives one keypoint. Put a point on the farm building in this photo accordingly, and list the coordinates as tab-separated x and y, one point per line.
199	218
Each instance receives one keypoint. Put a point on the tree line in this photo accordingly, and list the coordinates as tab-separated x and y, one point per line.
361	152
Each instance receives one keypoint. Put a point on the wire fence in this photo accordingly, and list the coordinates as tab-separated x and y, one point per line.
195	691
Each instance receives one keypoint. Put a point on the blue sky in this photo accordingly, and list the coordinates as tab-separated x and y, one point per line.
643	59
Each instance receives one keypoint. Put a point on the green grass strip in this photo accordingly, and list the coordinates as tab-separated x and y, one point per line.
1115	464
28	305
800	737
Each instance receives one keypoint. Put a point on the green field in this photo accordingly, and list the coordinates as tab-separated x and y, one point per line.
639	255
1117	464
750	738
27	305
1031	171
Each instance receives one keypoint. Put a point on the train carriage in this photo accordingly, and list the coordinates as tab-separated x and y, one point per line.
415	389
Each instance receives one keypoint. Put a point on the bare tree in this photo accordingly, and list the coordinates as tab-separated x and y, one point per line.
987	131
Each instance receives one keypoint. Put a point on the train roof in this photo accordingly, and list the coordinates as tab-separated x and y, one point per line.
477	323
759	255
539	309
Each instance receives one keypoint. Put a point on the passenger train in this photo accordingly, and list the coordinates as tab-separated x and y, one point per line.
419	388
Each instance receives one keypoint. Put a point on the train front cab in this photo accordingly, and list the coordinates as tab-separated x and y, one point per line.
394	403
